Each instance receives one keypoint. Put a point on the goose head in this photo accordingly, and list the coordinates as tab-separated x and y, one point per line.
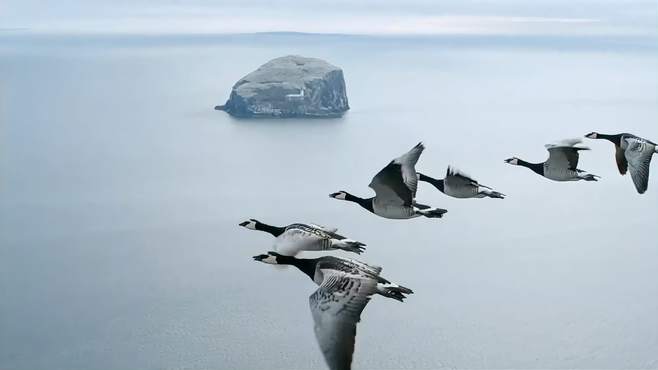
271	258
513	161
592	135
249	224
342	195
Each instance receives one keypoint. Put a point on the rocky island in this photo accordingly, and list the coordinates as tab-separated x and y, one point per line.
290	86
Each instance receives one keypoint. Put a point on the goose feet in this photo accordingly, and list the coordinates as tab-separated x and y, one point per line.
432	212
590	177
492	194
350	246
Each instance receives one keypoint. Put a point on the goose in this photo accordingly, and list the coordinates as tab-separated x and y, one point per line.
297	237
395	190
345	287
460	185
561	164
634	152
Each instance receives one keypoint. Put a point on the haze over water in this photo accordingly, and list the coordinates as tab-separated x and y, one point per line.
121	190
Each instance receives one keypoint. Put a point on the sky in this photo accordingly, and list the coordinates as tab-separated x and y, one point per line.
411	17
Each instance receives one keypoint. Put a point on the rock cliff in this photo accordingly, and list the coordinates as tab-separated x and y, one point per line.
290	86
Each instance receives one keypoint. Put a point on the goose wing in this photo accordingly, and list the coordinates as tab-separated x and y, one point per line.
336	307
389	186
299	237
620	157
364	268
317	230
408	162
352	267
397	182
638	154
329	231
564	154
457	179
563	157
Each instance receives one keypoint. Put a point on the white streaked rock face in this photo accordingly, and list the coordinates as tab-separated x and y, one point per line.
290	86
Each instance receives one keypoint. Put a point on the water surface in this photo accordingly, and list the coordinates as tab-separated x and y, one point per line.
121	190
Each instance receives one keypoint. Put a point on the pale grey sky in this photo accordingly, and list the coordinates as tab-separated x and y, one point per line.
579	17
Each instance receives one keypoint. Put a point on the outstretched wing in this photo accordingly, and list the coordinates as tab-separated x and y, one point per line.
563	157
564	153
352	267
365	268
336	307
638	154
327	229
389	186
316	230
572	142
620	157
408	162
397	182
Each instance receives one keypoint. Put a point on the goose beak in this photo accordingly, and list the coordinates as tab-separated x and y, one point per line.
260	257
243	224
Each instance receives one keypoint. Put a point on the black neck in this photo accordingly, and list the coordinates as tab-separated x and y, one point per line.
615	139
305	265
274	230
437	183
365	203
536	167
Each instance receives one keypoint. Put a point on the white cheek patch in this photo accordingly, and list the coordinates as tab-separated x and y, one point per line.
341	196
270	259
251	225
514	161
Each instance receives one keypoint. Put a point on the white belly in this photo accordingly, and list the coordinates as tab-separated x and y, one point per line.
560	174
394	211
462	192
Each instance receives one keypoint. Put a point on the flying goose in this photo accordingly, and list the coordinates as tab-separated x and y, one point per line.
345	287
459	185
561	164
395	190
298	237
633	151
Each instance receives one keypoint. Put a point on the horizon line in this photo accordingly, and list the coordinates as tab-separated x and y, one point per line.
26	31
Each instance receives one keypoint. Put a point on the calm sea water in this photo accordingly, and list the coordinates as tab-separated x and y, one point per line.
121	190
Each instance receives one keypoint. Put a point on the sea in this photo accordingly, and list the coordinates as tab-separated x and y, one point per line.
121	190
